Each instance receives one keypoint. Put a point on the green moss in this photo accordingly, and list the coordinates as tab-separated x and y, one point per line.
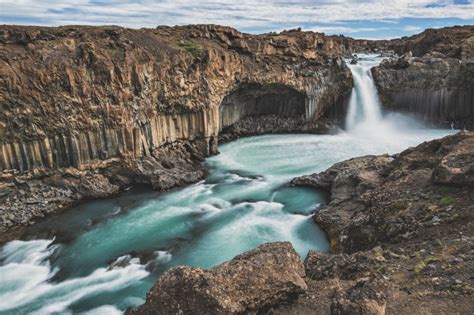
447	201
439	243
423	263
334	245
470	40
192	48
447	189
378	251
397	206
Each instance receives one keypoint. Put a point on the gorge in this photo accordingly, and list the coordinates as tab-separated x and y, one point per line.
103	256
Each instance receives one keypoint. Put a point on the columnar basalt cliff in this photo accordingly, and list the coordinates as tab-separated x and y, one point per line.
118	106
433	78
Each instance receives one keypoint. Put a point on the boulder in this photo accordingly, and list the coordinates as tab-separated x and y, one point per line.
258	279
457	167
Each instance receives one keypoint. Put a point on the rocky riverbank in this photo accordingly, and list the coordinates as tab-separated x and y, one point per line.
401	233
88	112
31	196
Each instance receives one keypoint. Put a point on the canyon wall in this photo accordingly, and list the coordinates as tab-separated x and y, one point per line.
433	78
75	95
111	107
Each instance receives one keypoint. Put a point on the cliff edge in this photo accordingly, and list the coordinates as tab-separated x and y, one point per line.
432	78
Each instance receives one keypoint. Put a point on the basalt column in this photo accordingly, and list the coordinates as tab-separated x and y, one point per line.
81	149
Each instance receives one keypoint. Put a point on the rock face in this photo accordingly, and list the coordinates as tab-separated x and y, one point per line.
251	282
145	106
452	42
114	92
401	232
434	77
345	181
26	197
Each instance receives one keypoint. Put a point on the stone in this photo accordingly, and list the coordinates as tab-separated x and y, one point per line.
253	281
457	167
433	77
367	296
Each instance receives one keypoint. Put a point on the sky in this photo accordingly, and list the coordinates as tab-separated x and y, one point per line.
356	18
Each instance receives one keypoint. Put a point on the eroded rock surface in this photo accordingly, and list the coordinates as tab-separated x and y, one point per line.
433	78
401	233
251	282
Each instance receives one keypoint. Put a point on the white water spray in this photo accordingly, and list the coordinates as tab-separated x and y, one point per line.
364	105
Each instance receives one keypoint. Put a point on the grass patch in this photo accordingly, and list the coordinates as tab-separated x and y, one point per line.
334	245
192	48
447	201
470	40
422	264
447	189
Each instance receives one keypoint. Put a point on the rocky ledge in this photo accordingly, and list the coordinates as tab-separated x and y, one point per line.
253	281
432	78
87	112
401	232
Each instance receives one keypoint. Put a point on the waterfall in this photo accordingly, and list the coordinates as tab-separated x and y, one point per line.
364	106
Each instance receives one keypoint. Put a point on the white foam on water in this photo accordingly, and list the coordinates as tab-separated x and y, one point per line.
162	256
104	310
26	273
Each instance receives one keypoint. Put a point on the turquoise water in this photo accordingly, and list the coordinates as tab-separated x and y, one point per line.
108	253
103	256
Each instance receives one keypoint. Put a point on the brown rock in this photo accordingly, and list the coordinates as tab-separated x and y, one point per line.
457	167
367	296
268	275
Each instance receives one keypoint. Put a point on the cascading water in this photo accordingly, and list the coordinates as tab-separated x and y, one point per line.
364	104
103	256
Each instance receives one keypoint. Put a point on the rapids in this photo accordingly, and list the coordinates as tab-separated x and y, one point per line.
103	256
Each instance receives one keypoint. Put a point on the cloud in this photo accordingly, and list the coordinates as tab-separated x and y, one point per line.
412	29
253	16
344	29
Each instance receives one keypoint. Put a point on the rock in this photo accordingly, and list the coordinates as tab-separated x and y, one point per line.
433	77
391	250
354	60
367	296
457	167
255	280
6	189
319	266
345	181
